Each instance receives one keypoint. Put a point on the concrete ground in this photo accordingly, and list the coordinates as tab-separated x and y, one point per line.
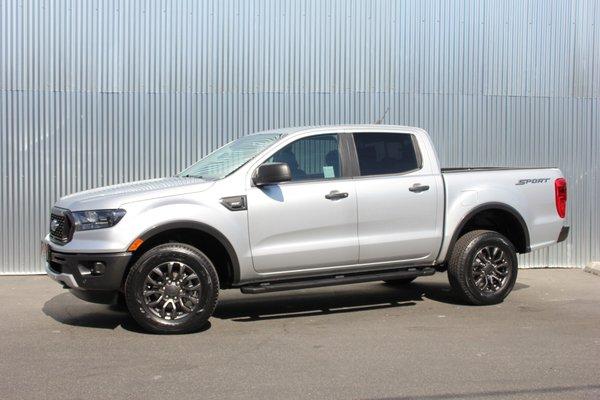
367	341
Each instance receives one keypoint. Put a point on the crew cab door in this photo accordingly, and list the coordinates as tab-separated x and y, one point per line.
310	222
399	200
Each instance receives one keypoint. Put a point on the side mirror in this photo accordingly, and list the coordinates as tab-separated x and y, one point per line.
271	173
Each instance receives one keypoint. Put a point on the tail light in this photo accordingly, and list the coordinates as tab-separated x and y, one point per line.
560	196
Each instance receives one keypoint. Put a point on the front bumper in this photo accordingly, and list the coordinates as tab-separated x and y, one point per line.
80	272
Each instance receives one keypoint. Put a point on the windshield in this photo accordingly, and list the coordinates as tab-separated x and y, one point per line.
230	157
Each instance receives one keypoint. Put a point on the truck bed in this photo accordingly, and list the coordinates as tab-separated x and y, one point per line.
527	191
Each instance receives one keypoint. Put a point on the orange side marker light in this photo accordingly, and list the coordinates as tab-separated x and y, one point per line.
136	243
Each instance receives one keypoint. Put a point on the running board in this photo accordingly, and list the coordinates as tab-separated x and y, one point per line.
336	280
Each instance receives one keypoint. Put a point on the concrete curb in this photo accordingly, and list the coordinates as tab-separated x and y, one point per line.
593	268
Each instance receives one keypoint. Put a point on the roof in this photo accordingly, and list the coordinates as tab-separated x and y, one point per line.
295	129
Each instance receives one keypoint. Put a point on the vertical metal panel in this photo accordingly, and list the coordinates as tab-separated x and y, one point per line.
100	92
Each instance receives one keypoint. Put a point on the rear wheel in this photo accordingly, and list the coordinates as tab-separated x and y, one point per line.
483	267
172	288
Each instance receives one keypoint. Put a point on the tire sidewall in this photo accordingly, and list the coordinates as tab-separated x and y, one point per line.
489	239
198	262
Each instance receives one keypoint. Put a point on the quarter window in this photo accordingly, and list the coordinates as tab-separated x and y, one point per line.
385	153
313	157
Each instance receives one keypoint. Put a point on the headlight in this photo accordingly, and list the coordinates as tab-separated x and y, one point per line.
96	219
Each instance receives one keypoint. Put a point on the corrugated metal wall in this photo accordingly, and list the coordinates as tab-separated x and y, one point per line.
101	92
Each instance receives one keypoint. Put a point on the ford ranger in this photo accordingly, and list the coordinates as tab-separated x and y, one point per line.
301	208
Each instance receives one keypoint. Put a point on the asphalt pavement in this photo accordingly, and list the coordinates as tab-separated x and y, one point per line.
365	341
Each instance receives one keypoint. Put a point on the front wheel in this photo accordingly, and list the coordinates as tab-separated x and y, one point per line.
172	288
483	267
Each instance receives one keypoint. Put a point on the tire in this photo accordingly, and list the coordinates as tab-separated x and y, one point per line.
478	274
180	301
400	282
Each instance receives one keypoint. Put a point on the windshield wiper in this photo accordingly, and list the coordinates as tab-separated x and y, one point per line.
190	176
197	177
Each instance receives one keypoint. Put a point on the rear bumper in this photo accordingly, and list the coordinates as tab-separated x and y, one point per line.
564	233
92	277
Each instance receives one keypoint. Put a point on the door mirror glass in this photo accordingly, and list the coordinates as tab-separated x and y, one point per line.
272	173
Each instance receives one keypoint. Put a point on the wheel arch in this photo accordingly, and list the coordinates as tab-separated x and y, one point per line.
490	216
228	274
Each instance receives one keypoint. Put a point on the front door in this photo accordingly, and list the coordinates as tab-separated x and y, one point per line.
310	222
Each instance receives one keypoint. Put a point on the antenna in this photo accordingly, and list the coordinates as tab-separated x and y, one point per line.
380	120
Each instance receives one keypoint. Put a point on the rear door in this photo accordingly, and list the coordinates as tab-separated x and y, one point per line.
399	211
310	222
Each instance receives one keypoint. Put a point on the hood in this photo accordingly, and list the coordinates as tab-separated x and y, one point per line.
114	196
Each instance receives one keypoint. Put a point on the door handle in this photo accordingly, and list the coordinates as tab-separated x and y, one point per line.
335	195
417	187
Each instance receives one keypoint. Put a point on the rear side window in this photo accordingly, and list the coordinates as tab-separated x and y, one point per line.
386	153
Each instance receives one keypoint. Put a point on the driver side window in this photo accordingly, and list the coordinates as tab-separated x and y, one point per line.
313	157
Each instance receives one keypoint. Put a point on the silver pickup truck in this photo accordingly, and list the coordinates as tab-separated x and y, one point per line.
300	208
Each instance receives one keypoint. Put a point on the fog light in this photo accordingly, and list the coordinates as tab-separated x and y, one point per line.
98	268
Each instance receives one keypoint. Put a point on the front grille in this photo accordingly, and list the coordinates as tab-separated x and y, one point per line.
60	227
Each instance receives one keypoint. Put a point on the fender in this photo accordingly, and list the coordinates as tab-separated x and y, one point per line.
489	206
199	226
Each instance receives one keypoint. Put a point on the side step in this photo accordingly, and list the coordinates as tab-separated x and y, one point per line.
336	280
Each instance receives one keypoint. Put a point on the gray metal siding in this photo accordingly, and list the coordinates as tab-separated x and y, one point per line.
101	92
